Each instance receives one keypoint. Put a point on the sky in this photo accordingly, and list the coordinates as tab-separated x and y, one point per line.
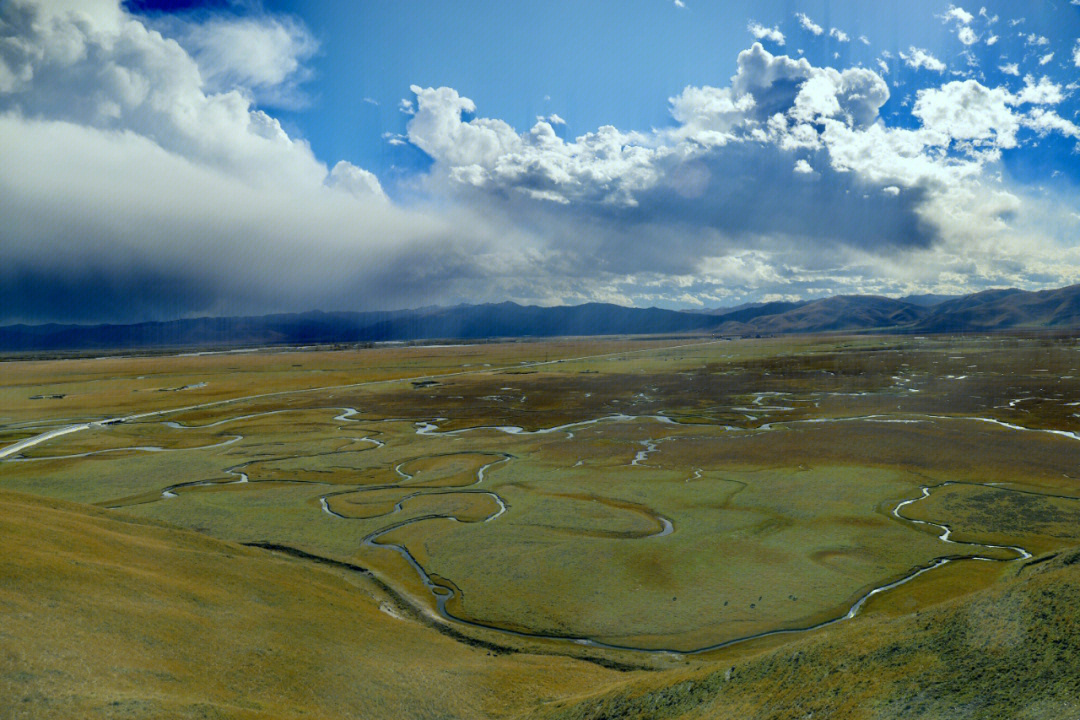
178	159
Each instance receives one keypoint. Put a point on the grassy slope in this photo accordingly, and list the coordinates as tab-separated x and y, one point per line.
102	615
105	616
1008	651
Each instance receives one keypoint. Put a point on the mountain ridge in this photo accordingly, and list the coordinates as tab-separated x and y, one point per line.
985	311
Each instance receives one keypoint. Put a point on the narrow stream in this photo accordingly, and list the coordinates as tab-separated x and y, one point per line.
443	593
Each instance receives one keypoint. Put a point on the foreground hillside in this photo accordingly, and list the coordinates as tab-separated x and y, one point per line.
106	616
1008	651
102	615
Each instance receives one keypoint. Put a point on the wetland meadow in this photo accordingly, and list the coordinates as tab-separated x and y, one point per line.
638	507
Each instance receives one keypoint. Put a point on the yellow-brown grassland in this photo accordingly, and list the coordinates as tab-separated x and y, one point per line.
827	526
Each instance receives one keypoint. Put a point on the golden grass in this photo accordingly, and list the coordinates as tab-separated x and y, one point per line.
104	615
1010	649
779	479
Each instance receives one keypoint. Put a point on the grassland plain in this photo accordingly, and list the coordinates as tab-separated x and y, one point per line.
593	500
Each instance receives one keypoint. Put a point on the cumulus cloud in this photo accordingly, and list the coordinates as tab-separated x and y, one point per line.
263	55
357	181
980	118
774	106
111	72
1045	121
1043	92
840	35
962	20
930	190
761	32
969	112
808	24
1010	69
918	58
605	166
959	14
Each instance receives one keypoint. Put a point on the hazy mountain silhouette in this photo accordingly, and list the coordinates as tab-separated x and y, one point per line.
987	311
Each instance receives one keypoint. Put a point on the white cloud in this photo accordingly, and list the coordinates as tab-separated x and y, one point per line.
980	119
1046	58
864	40
680	4
552	119
854	95
264	55
883	66
357	181
1045	121
371	101
990	19
1043	92
1076	54
776	104
406	106
840	35
962	19
918	58
1010	69
111	72
1036	40
708	114
808	24
992	40
958	14
606	166
761	32
970	112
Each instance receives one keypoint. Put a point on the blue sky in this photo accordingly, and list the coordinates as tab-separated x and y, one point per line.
181	158
615	63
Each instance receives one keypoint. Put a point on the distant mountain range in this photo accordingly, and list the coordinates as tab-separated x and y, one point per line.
987	311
